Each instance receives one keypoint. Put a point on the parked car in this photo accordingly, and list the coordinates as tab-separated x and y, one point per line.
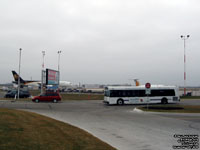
47	97
14	93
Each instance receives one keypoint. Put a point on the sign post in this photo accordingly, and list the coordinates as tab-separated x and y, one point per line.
43	83
148	92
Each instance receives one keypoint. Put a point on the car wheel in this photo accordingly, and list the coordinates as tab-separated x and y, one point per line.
164	101
55	100
37	100
120	102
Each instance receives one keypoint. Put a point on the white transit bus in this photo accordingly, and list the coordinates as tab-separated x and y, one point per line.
136	95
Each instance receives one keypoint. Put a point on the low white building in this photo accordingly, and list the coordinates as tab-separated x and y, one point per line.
194	91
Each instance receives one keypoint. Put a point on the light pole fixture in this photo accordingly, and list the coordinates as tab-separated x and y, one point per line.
19	73
43	54
184	39
59	52
42	72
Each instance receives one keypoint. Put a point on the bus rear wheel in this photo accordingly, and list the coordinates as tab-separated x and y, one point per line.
164	101
120	102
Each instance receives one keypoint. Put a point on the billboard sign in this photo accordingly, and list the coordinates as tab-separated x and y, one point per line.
52	77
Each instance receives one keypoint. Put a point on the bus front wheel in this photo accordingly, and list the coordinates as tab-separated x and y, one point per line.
120	102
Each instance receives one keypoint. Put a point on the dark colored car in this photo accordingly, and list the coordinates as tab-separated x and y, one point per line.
14	93
47	97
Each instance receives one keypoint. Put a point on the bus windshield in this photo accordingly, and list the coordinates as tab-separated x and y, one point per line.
107	93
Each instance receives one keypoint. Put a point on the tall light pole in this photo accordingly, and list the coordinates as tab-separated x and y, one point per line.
43	54
184	39
19	73
42	79
59	52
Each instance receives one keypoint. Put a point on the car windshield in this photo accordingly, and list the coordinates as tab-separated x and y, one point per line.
14	92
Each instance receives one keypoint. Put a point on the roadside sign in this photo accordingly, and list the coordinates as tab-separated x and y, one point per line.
148	85
52	77
148	88
148	91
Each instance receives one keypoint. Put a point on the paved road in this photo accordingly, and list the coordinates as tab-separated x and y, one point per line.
190	102
119	126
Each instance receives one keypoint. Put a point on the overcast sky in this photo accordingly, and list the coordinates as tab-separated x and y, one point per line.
102	41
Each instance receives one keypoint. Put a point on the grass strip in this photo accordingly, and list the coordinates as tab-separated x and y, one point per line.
20	130
190	97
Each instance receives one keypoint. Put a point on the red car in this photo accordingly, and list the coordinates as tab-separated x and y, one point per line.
47	97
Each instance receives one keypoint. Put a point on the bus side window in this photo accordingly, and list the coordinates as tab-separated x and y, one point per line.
111	93
120	94
125	93
128	93
141	93
133	93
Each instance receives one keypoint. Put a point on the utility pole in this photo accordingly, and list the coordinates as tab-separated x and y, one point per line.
42	76
59	52
19	73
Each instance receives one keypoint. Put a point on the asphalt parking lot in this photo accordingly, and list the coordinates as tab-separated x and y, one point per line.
119	126
2	94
